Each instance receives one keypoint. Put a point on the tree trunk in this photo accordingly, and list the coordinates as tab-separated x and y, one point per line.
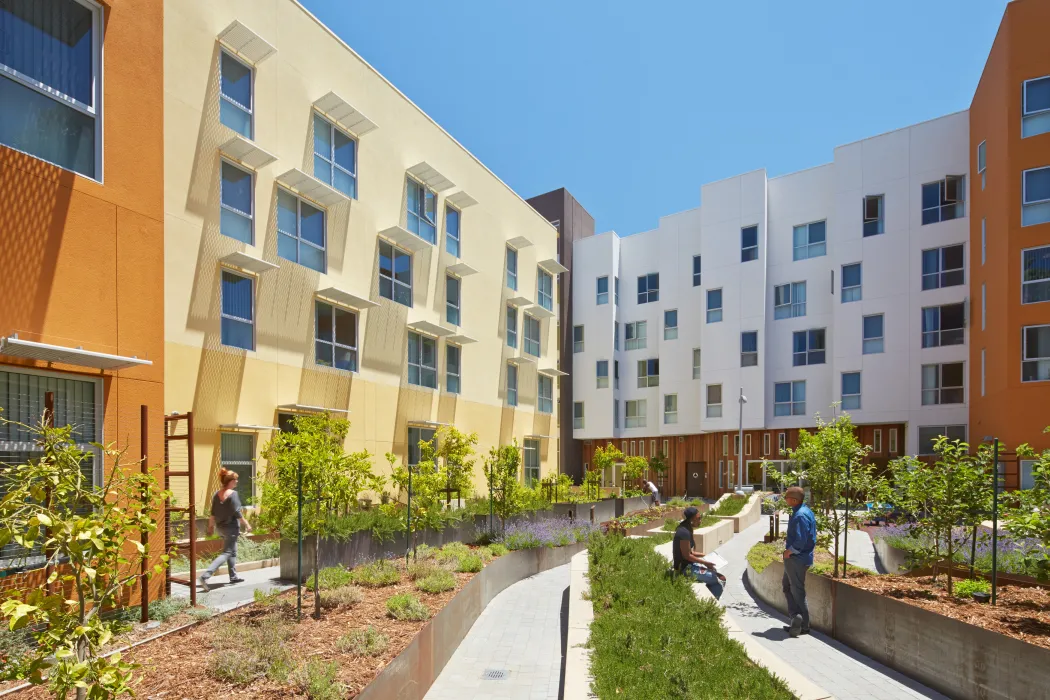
949	562
837	529
317	561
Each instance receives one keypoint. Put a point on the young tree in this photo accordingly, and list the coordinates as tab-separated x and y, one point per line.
84	532
633	469
1030	519
455	449
501	473
422	485
604	458
658	463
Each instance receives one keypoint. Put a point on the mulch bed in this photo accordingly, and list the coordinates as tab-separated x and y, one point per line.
1022	613
176	667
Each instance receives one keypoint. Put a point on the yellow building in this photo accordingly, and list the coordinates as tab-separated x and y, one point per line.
328	245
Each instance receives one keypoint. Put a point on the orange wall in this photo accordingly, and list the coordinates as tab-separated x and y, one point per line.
81	262
1014	411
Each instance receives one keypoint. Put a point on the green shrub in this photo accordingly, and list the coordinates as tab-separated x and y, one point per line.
247	651
497	549
763	554
166	608
731	505
200	614
405	606
363	642
381	572
345	596
13	646
422	570
967	587
318	680
424	552
331	577
469	564
437	582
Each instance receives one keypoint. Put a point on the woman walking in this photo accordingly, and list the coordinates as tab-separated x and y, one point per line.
226	515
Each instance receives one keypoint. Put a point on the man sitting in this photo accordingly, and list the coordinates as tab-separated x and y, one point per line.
688	562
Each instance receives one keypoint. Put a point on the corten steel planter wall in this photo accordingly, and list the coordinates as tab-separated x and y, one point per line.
958	659
630	505
603	510
411	673
892	559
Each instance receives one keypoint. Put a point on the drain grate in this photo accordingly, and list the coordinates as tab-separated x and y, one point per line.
494	674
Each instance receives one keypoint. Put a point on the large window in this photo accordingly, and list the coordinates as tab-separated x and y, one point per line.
531	462
928	435
942	384
453	368
512	269
649	288
335	337
851	283
452	296
634	413
696	271
714	400
1035	363
789	300
422	211
531	328
874	217
634	335
512	327
982	162
237	453
714	305
1035	202
422	360
300	231
749	349
415	436
601	371
335	157
238	311
670	409
648	373
577	415
789	398
577	339
850	391
943	200
810	240
942	267
545	289
452	239
873	334
1035	275
942	325
545	393
236	203
1036	107
748	243
50	82
512	384
808	347
395	274
671	324
236	95
696	363
602	291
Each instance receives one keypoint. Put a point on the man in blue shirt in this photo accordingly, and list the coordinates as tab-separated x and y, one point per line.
798	557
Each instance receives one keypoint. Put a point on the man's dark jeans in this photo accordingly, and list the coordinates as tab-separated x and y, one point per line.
794	585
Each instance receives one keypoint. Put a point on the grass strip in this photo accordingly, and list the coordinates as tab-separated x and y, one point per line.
730	506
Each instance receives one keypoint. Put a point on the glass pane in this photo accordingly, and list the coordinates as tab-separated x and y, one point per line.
236	80
930	377
403	295
236	296
801	236
931	195
235	226
236	188
51	42
345	328
287	207
323	353
322	169
413	197
782	392
714	299
817	232
312	225
452	290
953	257
403	267
346	359
237	334
323	322
952	374
45	128
851	275
413	374
386	288
413	348
1037	95
322	137
345	152
344	183
452	358
749	342
873	326
429	353
851	383
1037	342
311	257
1037	264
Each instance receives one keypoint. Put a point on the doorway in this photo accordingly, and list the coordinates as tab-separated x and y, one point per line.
695	479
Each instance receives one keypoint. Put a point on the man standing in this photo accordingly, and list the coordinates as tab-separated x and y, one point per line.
655	492
798	557
688	562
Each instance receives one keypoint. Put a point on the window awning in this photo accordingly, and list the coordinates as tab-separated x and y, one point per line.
552	372
344	114
246	427
537	311
428	328
428	424
248	263
246	43
460	339
13	346
519	242
246	152
553	266
522	360
429	176
404	238
345	298
302	408
461	200
311	188
461	269
519	301
539	437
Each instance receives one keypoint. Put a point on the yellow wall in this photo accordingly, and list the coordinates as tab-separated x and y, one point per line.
224	385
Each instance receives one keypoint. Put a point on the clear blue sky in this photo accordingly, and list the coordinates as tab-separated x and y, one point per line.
632	106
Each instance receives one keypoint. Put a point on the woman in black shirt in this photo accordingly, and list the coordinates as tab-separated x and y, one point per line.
688	562
226	516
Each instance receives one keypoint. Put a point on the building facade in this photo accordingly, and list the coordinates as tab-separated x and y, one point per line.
330	247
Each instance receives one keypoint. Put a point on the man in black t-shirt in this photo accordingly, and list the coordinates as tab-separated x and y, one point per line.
688	562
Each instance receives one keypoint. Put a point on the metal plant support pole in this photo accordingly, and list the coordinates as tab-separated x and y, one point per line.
299	561
845	536
490	500
995	519
143	577
408	520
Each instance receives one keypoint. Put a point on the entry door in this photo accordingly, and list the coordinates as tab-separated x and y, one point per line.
695	478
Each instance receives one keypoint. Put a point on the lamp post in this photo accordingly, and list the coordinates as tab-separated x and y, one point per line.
740	436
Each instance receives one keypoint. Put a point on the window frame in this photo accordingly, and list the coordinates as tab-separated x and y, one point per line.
526	340
1024	354
250	109
449	306
640	340
511	330
711	317
421	430
648	372
940	331
578	345
544	401
649	294
1031	283
449	374
1027	205
298	235
420	343
223	315
937	392
671	332
598	376
881	338
943	431
713	410
796	406
542	275
420	216
792	304
766	443
808	353
511	270
942	269
876	441
670	416
601	298
943	201
395	253
336	345
891	445
854	291
880	222
251	463
330	158
810	245
697	357
1024	97
982	157
640	416
697	270
458	238
843	395
748	358
748	250
512	386
579	415
250	216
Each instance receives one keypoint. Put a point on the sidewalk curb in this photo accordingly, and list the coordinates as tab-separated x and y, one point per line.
577	685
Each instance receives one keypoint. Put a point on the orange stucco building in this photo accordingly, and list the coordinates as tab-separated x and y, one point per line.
81	216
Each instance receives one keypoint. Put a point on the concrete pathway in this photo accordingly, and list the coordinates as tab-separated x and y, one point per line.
519	633
223	596
861	550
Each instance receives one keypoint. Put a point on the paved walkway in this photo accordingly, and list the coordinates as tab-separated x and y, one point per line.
223	596
520	633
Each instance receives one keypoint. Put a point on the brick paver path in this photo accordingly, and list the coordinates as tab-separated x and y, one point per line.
520	632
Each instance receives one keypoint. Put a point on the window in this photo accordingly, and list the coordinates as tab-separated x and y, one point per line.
942	267
748	243
893	441
616	415
809	347
335	157
671	324
577	415
545	393
765	443
416	436
984	242
422	211
577	338
725	444
236	203
648	373
512	385
789	300
616	290
670	409
736	444
721	474
1035	201
851	283
749	349
286	422
452	239
531	328
696	363
512	269
873	334
422	360
238	311
810	240
602	291
335	337
942	325
714	400
1027	476
982	371
851	391
237	453
876	441
50	82
696	270
452	300
984	307
512	329
1036	107
236	103
1035	275
942	384
873	215
616	335
452	368
1035	363
714	305
781	443
395	274
747	443
943	200
531	462
981	161
634	336
928	435
300	231
544	289
602	372
616	374
789	398
649	288
635	413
